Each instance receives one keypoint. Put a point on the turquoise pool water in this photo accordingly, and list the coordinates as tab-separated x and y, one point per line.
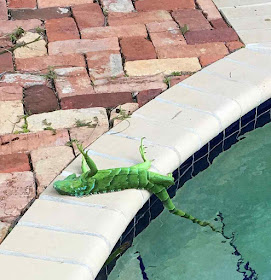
234	193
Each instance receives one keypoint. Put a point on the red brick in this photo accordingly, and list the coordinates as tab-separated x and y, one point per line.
177	79
150	5
6	63
26	142
17	190
88	15
106	100
23	80
137	48
233	46
138	18
207	36
208	59
11	93
19	4
104	64
219	23
7	26
192	50
42	63
114	31
130	84
61	29
14	163
145	96
44	14
168	38
72	81
40	99
162	26
209	9
5	42
83	46
194	19
3	10
61	3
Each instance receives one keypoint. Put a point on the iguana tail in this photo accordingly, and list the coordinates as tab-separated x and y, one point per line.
162	194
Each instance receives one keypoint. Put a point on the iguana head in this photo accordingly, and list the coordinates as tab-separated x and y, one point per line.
74	186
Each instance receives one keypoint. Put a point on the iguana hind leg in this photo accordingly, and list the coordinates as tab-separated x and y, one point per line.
162	194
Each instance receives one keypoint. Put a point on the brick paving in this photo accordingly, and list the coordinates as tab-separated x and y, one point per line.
73	68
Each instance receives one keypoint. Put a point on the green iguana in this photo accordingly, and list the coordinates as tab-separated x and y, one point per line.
94	181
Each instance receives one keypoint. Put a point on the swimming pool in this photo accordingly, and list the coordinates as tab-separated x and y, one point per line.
172	248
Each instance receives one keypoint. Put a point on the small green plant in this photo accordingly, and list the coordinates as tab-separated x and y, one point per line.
24	127
79	123
70	143
51	74
184	29
177	73
167	80
16	34
48	126
105	12
122	114
40	30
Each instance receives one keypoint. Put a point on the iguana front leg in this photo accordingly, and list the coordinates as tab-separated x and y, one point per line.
147	163
87	162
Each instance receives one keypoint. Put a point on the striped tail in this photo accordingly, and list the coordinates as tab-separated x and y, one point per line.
162	194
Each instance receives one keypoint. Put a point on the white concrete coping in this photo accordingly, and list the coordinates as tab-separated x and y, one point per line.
70	238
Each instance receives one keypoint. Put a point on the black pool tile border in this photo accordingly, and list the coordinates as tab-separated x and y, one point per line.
195	164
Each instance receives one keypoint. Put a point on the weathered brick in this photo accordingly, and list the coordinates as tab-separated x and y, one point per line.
6	63
83	46
104	64
106	100
168	38
162	26
88	15
207	36
177	79
72	81
4	227
138	18
165	66
49	162
61	29
23	80
40	99
37	48
16	192
194	19
130	84
233	46
121	112
114	31
5	42
11	93
44	14
67	118
192	50
14	163
145	96
42	63
209	9
208	59
3	10
7	26
137	48
19	4
87	135
10	112
119	6
219	23
149	5
61	3
26	142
